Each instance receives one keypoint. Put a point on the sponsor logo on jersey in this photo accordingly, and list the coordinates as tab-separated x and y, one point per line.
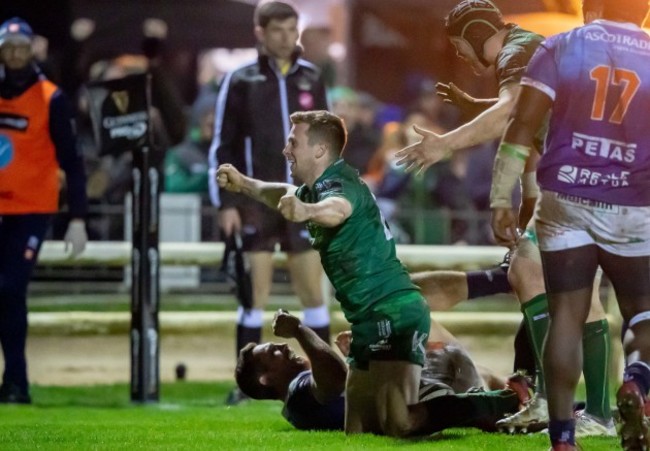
619	39
381	345
328	187
610	149
13	122
384	329
583	176
418	342
587	202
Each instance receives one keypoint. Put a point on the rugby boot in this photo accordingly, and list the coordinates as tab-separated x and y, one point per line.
634	424
588	425
533	417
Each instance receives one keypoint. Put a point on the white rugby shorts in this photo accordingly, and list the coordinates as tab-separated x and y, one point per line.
565	222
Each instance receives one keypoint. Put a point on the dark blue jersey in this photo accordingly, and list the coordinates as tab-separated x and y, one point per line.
304	411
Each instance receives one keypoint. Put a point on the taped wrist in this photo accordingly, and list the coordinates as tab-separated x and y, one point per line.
529	188
508	166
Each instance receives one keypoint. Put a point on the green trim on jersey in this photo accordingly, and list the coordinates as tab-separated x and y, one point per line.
531	235
359	255
519	45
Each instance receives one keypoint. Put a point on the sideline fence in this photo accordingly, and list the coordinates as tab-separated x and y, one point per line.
414	257
118	254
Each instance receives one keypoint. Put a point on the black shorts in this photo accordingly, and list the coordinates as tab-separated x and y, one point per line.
263	228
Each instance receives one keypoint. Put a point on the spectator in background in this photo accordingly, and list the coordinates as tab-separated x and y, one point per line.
186	165
363	138
444	186
366	135
421	95
165	95
252	126
315	41
388	181
37	141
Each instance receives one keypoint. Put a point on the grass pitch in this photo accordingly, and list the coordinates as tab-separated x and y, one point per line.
192	415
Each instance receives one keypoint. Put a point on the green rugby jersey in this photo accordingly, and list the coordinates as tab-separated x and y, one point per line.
519	45
358	255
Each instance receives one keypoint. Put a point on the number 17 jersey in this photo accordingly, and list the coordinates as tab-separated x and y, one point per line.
598	144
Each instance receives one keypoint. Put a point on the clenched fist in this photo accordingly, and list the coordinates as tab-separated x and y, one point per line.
285	324
229	178
292	208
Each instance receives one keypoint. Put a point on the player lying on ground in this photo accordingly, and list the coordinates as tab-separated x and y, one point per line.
312	388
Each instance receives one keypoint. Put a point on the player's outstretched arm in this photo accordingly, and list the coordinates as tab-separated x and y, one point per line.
269	193
486	126
328	369
468	105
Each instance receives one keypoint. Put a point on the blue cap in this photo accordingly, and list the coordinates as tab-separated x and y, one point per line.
15	29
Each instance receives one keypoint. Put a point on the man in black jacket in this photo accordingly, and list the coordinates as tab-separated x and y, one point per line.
251	129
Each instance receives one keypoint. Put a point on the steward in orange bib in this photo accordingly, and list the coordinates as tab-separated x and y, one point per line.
37	140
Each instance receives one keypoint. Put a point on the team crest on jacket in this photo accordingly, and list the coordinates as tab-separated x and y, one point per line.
306	100
304	84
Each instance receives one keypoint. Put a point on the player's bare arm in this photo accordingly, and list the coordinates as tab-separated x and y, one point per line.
328	369
329	212
486	126
516	146
269	193
468	105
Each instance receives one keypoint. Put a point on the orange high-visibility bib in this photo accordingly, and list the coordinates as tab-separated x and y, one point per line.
29	180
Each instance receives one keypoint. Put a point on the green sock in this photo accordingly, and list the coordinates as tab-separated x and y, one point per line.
595	367
536	316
